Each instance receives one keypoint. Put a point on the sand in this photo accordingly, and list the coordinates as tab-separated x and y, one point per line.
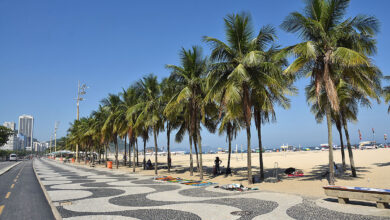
373	169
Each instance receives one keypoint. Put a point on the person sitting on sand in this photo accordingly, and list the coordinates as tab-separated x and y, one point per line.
149	165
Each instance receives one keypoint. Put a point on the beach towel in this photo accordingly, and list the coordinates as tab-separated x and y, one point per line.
182	181
298	173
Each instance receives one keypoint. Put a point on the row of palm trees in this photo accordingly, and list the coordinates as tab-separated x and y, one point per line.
244	79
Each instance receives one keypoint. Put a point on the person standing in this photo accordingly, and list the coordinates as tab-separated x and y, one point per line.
217	162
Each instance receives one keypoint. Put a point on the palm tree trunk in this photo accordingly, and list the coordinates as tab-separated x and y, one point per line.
124	160
196	153
191	160
260	150
247	114
93	155
136	142
338	126
77	153
249	154
100	155
155	150
230	148
330	144
133	155
130	147
144	153
200	153
106	153
86	154
350	153
116	152
168	148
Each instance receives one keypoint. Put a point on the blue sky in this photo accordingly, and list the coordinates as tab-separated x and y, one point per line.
47	45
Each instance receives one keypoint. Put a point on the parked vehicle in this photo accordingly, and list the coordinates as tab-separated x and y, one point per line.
367	145
13	157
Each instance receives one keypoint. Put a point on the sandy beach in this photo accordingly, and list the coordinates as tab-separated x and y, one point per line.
373	167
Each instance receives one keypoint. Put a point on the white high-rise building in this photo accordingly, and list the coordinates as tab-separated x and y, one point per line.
26	127
12	143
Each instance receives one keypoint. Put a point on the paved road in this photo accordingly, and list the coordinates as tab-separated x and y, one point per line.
21	196
97	193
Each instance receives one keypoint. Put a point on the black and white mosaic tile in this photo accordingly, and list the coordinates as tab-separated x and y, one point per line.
85	193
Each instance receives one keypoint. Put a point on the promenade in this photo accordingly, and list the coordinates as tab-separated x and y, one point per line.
81	192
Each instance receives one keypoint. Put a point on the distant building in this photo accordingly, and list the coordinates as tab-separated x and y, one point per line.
10	125
39	146
12	143
26	127
21	140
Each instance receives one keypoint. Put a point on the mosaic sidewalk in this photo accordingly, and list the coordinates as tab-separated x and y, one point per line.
85	193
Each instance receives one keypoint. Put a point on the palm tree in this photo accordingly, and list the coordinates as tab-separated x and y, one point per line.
321	27
100	116
191	78
235	67
131	98
150	108
183	117
318	109
231	123
169	88
386	93
121	122
349	100
73	133
144	133
270	88
81	134
111	103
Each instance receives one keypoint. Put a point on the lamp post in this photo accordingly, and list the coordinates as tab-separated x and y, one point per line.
51	136
55	136
80	92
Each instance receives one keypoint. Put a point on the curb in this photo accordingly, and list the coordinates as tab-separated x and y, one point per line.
56	214
4	170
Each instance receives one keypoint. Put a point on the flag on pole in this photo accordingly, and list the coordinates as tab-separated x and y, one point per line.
385	137
360	134
373	131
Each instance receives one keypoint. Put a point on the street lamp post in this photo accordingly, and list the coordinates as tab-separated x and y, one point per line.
51	136
80	92
55	136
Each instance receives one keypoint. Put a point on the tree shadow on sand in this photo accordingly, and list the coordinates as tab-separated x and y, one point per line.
240	174
320	173
382	164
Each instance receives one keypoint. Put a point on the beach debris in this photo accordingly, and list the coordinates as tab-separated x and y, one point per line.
235	187
171	179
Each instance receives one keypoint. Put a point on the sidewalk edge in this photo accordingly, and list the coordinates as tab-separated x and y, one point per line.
56	214
4	170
